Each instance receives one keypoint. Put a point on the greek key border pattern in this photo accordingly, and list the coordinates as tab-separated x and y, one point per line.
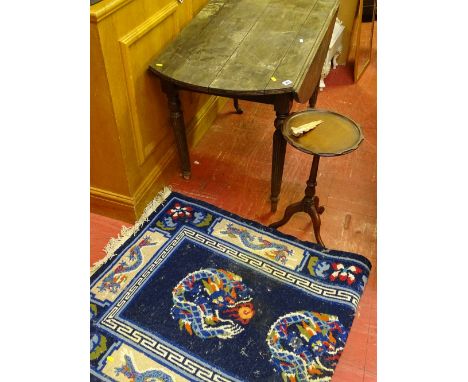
169	354
291	278
172	355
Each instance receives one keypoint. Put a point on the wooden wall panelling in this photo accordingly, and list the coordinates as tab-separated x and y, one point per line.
107	167
130	33
106	199
146	103
112	29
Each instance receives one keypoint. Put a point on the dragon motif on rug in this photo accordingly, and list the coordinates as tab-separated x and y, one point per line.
212	303
148	376
306	346
278	252
114	280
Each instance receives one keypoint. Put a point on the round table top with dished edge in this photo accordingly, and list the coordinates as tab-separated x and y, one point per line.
336	135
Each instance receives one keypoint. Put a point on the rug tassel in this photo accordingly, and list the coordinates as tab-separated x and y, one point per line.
127	232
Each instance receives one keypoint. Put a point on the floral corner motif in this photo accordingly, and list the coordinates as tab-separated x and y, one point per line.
336	272
179	214
344	273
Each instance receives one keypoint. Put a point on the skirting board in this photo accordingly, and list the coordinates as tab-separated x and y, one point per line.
113	205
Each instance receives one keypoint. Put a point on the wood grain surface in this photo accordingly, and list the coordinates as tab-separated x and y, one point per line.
244	47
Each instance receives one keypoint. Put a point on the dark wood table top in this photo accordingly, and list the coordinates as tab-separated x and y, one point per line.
251	48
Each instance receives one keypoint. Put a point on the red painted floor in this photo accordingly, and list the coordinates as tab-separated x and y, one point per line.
231	169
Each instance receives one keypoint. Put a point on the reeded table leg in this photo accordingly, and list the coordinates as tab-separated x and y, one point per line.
178	126
282	107
310	204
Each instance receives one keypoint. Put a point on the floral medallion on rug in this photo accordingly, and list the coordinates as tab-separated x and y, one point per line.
195	293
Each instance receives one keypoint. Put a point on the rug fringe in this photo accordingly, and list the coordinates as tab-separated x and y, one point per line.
126	232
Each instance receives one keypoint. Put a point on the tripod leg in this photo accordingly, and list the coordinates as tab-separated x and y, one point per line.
290	211
319	209
283	104
316	222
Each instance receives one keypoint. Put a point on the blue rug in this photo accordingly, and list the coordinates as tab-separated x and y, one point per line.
195	293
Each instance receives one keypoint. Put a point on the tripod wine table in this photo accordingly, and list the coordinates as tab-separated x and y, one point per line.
336	135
